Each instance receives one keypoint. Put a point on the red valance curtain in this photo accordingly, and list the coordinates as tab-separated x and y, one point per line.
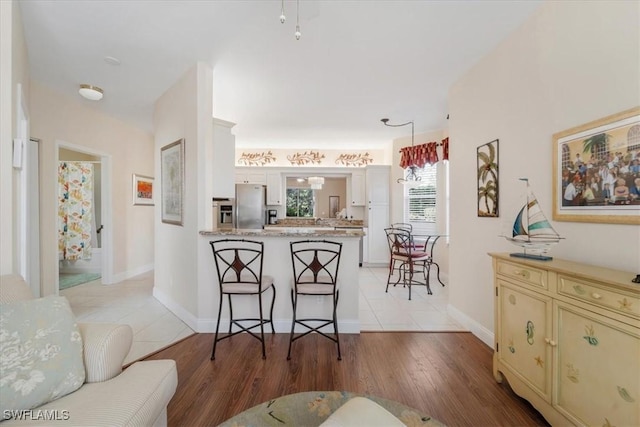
418	155
445	149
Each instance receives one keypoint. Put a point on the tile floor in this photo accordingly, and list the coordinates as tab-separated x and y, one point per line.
130	302
155	327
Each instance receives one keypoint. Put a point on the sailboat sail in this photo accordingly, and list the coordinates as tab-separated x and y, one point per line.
518	227
531	229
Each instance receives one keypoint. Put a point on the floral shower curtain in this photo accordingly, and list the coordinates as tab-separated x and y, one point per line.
75	210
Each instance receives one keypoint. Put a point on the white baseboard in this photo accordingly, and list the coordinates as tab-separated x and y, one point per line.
484	334
117	278
177	309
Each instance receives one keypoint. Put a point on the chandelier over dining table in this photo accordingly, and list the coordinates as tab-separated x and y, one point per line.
417	156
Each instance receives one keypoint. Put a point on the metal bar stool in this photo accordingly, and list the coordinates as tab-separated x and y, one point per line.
239	266
315	272
403	251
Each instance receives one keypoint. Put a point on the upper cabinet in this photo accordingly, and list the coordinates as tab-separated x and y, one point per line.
358	188
223	145
274	188
377	179
249	176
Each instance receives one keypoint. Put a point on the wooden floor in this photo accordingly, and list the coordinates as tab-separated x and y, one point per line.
445	375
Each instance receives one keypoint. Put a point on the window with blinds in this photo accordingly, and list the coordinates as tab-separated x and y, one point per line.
420	199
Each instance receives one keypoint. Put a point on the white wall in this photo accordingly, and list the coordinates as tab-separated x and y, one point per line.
14	69
570	63
185	111
57	117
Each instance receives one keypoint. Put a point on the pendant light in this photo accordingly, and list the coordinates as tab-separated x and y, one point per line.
298	33
412	174
282	17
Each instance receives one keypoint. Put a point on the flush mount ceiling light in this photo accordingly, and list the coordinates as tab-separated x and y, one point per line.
94	93
412	175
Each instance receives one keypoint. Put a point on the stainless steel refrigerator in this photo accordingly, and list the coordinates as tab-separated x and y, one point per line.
250	206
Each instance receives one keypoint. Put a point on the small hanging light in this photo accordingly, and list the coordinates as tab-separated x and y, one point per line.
298	33
412	174
282	17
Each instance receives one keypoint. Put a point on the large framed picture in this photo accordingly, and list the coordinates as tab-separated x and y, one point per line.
596	171
488	190
172	171
142	190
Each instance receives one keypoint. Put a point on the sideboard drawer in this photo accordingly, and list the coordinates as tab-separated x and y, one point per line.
530	275
598	295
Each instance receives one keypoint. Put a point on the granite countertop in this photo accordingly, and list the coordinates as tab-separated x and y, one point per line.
318	222
285	232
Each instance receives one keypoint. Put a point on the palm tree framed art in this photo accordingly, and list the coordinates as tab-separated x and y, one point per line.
488	193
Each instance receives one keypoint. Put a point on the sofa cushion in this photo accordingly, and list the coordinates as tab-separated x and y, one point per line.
136	397
40	353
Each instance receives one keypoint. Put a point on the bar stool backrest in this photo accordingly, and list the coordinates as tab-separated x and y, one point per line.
403	226
315	261
238	260
399	241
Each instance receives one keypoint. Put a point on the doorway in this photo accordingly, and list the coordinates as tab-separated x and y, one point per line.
82	214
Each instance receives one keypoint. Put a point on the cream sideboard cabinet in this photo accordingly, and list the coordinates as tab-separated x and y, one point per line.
567	339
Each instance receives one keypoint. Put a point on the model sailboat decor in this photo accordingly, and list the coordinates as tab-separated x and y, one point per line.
532	230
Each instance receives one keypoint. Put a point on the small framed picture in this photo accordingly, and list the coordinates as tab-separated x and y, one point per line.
142	190
172	182
488	190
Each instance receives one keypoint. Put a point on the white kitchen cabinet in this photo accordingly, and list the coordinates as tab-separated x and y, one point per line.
567	338
250	176
222	159
377	184
358	194
274	188
377	213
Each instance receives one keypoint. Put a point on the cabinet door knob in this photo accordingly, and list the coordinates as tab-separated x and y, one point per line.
551	342
596	295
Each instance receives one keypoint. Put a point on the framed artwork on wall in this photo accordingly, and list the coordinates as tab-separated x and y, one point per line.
488	190
172	176
142	190
334	206
596	171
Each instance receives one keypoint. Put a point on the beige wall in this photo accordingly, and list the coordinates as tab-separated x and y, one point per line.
14	70
60	118
572	62
185	111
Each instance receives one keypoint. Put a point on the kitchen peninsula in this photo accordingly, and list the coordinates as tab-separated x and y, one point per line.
277	263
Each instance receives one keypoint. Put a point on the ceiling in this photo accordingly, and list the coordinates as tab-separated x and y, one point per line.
356	62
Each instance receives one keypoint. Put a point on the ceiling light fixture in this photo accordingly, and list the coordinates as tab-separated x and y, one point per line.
93	93
315	182
412	175
298	33
282	17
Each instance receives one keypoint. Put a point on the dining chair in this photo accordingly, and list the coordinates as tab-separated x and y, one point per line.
239	267
315	273
409	258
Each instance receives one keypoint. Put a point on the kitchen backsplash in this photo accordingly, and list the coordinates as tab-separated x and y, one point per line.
327	222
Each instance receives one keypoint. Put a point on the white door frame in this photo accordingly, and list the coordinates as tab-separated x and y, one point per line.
106	210
28	203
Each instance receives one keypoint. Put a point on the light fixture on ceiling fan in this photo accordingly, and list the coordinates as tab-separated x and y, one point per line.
412	175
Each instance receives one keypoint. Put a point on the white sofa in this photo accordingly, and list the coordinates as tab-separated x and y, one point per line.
137	396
